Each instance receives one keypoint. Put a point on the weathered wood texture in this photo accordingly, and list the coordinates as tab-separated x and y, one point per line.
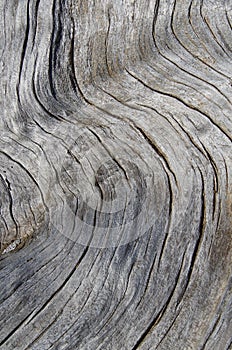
116	174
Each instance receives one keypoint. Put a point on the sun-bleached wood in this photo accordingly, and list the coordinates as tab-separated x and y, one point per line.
116	175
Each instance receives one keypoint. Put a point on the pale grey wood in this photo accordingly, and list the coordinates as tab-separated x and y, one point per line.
115	175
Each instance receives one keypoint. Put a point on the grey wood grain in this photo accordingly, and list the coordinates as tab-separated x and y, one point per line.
116	175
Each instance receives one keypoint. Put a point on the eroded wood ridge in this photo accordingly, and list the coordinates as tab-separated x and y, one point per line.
115	174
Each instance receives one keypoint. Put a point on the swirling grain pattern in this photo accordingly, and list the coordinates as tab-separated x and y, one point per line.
116	175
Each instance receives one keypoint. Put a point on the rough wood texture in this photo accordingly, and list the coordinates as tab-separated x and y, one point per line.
116	174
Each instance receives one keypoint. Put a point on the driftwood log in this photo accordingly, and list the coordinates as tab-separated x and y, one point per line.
116	174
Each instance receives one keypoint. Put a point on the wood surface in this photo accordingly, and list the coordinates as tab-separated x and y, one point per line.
116	174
